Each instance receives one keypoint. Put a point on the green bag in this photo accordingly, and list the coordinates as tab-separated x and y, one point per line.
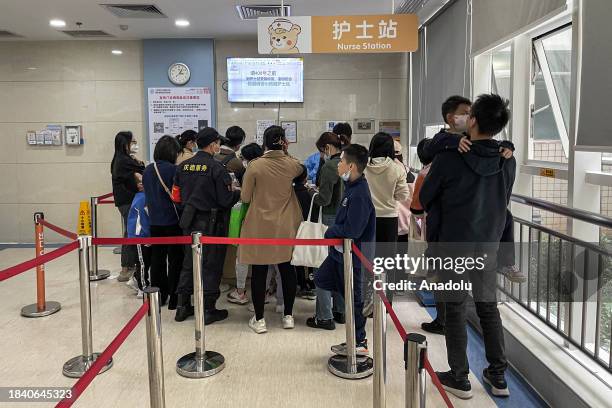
236	218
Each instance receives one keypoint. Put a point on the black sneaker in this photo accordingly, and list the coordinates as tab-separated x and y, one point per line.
433	327
339	318
214	315
499	386
459	388
320	324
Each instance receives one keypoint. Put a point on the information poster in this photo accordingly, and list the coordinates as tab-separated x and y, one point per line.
174	110
290	131
262	125
391	127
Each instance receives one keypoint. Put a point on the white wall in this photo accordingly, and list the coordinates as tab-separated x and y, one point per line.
72	82
342	87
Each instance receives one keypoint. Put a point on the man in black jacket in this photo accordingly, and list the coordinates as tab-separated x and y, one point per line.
472	191
204	188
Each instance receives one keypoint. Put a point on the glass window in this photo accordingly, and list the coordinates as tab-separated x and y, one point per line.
550	96
501	78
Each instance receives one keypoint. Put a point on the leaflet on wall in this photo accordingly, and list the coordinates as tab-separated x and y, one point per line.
174	110
262	125
332	123
290	130
391	127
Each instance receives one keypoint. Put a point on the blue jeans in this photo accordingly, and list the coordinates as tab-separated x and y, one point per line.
328	302
330	276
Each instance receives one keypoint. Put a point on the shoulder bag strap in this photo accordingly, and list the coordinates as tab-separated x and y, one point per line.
165	187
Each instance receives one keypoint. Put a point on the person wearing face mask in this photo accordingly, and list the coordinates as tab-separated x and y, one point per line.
329	306
234	137
274	212
187	140
204	188
123	169
356	220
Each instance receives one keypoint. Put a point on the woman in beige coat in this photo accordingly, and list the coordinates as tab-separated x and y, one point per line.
274	212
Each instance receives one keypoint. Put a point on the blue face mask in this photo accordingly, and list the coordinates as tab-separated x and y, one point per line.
346	176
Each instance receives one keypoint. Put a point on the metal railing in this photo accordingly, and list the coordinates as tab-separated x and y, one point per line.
569	281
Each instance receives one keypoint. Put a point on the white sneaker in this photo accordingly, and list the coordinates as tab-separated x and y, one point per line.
132	284
237	298
139	295
288	322
280	308
258	326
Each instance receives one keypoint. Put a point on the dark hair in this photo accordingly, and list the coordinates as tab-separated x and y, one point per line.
332	139
167	149
122	142
251	151
357	155
382	145
491	113
235	136
424	158
186	137
301	179
344	129
273	137
452	104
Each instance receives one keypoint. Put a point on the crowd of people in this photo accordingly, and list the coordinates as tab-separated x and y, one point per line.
197	180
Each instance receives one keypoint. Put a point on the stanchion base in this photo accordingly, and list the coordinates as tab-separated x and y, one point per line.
32	310
117	251
338	366
102	274
77	366
190	367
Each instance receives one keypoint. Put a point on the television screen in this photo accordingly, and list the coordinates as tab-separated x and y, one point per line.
265	79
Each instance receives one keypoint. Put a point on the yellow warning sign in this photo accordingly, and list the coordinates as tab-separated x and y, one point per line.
84	226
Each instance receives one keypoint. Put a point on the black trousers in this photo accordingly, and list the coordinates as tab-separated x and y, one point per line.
305	278
506	252
213	257
129	256
483	290
259	275
386	246
166	260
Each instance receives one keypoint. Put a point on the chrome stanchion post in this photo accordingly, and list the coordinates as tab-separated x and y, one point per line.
117	250
77	366
349	366
380	350
415	353
41	308
95	274
201	363
154	348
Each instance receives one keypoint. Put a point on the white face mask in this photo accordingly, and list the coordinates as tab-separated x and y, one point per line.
461	122
244	163
134	148
346	176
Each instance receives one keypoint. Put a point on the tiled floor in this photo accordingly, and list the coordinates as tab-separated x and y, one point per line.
283	368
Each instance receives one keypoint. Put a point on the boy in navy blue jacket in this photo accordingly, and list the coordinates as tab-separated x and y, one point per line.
355	219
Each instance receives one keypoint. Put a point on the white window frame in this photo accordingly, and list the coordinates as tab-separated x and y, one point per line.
538	47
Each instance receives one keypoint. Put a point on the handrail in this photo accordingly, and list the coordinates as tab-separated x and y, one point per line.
574	213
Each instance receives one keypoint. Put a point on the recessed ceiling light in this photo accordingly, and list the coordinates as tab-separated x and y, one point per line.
117	52
181	23
57	23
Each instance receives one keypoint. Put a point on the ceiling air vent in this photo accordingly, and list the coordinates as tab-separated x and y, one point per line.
134	10
87	33
410	6
254	12
7	34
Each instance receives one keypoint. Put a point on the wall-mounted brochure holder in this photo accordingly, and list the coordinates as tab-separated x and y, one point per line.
74	135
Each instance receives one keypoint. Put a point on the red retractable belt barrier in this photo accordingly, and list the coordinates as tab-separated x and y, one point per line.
104	199
57	229
33	263
184	240
216	240
400	328
87	378
105	196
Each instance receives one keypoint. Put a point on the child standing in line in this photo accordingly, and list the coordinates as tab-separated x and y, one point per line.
355	219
